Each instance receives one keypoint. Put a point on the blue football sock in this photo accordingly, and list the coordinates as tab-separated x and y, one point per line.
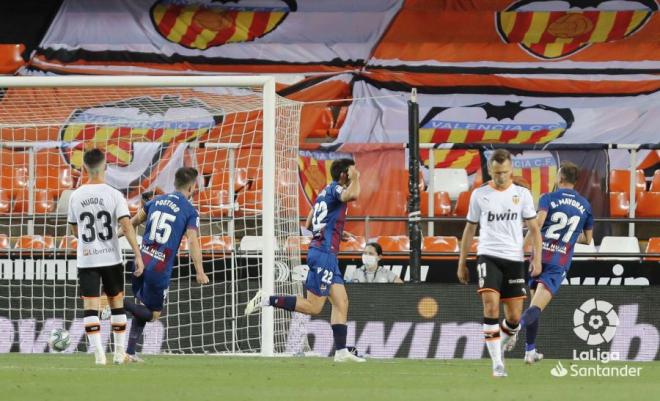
138	311
339	333
137	326
287	302
530	319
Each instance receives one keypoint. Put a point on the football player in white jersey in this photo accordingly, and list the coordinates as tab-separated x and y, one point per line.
95	210
500	207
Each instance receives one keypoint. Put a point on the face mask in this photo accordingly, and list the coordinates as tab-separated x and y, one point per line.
369	260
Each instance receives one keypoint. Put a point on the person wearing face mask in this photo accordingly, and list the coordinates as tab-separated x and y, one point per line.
371	271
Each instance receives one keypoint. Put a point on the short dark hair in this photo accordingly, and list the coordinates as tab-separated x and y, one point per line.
500	156
569	172
184	176
376	246
340	166
93	158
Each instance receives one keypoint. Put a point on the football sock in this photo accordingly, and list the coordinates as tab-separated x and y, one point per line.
339	333
137	327
287	302
491	330
118	322
508	329
93	330
138	311
530	319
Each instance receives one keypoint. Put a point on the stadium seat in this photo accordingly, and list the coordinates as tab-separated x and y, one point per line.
215	243
648	204
4	242
451	180
655	184
619	204
462	204
620	181
394	243
621	245
298	243
583	248
43	202
653	246
441	244
35	242
441	204
212	202
220	180
5	201
354	244
249	202
55	179
68	244
11	58
13	179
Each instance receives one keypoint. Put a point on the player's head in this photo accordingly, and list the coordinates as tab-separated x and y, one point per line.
500	168
372	254
568	174
339	170
185	179
94	162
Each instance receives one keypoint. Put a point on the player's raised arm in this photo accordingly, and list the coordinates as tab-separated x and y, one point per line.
352	192
196	256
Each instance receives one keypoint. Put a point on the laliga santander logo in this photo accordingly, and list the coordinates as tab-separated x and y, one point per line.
201	24
552	34
595	321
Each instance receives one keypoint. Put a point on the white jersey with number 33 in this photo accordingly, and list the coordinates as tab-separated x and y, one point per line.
500	214
95	209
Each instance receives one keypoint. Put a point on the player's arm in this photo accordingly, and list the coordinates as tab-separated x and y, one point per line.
352	192
139	218
308	222
468	235
585	237
73	229
535	232
196	256
129	232
540	219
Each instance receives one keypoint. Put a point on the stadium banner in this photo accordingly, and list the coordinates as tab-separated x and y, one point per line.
93	36
508	35
588	324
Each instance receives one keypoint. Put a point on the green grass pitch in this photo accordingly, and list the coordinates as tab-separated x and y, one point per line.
190	378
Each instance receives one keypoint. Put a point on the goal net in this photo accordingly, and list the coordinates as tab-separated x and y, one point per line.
242	138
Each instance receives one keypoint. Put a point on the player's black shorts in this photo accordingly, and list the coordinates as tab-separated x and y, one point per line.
504	276
90	280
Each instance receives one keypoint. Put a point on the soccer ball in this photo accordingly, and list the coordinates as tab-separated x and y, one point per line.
59	340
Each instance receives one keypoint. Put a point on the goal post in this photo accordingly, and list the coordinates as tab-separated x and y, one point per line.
275	121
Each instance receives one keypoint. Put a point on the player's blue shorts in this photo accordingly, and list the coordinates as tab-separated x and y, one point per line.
551	277
323	272
151	289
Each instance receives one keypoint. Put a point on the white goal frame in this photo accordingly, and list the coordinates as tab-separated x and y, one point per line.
267	85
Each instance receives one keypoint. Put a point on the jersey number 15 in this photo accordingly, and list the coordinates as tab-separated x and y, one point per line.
161	227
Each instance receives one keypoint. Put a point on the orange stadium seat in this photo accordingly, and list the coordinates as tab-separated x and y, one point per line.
620	181
653	246
249	202
619	204
55	179
394	243
441	244
215	243
11	58
213	202
298	242
35	242
220	180
5	201
655	184
354	244
4	242
648	204
441	203
43	202
68	243
462	204
13	178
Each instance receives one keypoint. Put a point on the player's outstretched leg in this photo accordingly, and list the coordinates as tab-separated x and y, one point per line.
141	315
530	320
286	302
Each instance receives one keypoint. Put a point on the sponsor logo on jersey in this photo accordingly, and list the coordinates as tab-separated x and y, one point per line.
505	216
